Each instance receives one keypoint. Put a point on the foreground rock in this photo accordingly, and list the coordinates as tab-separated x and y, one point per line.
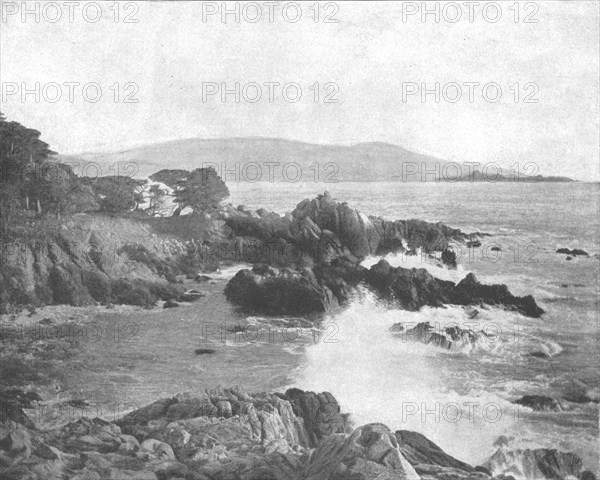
229	434
287	291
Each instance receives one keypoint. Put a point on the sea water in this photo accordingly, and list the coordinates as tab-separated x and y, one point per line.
463	399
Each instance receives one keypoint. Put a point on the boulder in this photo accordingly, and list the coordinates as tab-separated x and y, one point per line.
279	291
191	296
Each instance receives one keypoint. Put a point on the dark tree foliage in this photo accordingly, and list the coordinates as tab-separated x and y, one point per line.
118	194
22	157
202	190
170	178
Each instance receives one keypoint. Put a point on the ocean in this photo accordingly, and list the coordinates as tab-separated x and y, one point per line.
461	399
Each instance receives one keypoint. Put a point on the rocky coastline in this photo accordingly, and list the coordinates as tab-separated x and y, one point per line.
307	262
228	434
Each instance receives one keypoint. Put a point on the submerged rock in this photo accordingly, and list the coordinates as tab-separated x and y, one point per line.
539	403
449	338
575	252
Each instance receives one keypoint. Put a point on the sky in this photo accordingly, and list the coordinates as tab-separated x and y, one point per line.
371	61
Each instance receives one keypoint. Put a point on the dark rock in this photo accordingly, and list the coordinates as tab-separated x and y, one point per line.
481	469
170	304
569	258
418	449
575	252
204	351
495	249
191	296
538	354
474	244
449	258
587	475
287	291
321	413
415	288
202	278
447	338
539	403
578	391
279	291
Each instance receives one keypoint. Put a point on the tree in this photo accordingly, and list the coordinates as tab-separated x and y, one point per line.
118	194
21	155
170	177
157	200
202	190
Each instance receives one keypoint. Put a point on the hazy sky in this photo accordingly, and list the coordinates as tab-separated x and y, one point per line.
371	55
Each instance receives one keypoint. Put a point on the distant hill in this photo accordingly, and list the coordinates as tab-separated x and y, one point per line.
509	176
361	162
255	159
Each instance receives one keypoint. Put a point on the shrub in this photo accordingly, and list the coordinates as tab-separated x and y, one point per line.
165	291
128	292
98	285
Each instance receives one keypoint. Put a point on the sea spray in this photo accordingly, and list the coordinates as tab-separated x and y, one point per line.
406	385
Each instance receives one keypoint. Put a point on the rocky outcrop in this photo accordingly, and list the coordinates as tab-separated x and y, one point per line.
540	403
273	291
449	338
279	291
322	229
89	259
230	434
538	463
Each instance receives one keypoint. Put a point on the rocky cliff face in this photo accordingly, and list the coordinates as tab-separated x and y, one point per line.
228	434
88	259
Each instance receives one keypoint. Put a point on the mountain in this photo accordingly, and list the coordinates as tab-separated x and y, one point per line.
242	157
273	159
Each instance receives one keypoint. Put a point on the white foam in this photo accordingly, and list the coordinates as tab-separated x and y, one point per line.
379	378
